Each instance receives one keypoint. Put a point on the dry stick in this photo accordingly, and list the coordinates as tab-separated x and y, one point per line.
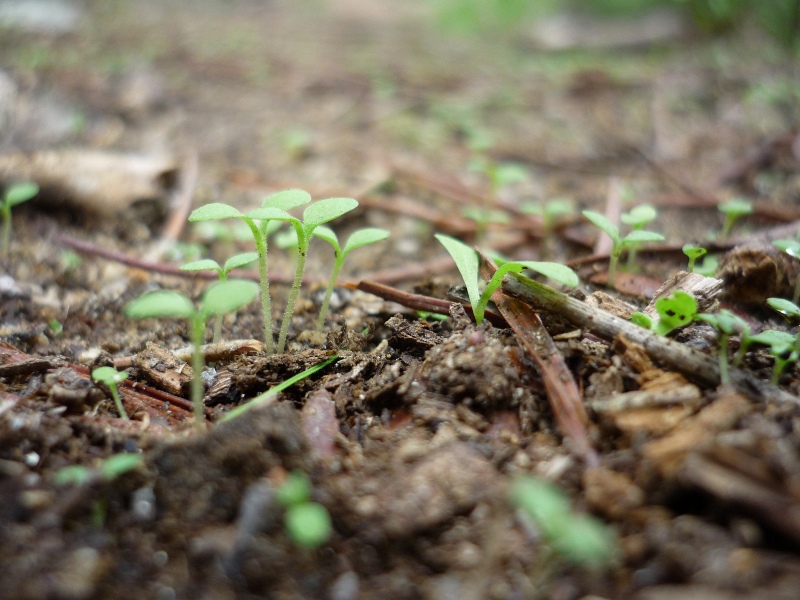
679	357
562	391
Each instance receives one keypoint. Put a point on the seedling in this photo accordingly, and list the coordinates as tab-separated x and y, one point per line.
317	214
358	239
733	210
636	219
234	262
110	469
14	195
675	310
708	267
273	208
782	346
788	309
466	260
550	212
618	243
727	324
219	299
693	252
110	377
580	539
792	248
308	524
483	217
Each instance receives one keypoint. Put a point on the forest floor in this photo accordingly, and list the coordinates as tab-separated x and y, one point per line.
130	114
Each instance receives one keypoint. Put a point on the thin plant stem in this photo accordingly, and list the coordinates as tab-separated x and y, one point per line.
266	304
337	265
295	291
724	376
118	402
198	327
612	266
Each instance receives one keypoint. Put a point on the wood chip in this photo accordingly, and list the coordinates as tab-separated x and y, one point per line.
163	368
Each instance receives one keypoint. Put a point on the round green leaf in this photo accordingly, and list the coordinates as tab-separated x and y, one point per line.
675	310
287	199
785	307
327	210
160	304
584	541
108	375
308	524
773	338
540	500
693	251
364	237
603	224
228	296
296	489
21	192
215	211
639	215
239	260
555	271
639	236
329	235
205	264
736	206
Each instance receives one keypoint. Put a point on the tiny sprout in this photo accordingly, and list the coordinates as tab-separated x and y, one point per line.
787	308
733	210
782	346
675	310
792	248
618	243
483	217
221	298
308	524
639	216
693	252
358	239
111	377
550	212
15	194
234	262
708	267
466	260
110	469
317	214
727	324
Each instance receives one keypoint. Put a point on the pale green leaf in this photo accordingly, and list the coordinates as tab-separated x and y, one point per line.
239	260
364	237
639	215
270	213
555	271
228	296
327	210
287	199
205	264
640	236
160	304
108	375
603	224
214	211
21	192
119	464
466	260
329	235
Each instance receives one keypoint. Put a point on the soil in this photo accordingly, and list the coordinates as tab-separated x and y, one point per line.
413	437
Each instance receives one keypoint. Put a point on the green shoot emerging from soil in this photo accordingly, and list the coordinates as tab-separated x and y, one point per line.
781	346
234	262
675	310
551	211
308	523
727	324
15	194
221	298
110	377
580	539
466	260
315	215
273	208
618	243
483	217
733	210
358	239
110	469
636	219
693	252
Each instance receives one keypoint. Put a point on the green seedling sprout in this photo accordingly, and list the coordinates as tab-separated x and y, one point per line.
618	243
693	252
781	346
234	262
466	260
675	310
708	267
792	248
550	212
317	214
787	308
727	324
219	299
483	217
273	208
110	469
358	239
14	195
636	219
308	524
580	539
110	377
733	210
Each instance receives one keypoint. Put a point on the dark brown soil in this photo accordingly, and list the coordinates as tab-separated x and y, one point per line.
414	435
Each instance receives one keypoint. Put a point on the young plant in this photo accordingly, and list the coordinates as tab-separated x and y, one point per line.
358	239
550	212
675	310
219	299
619	243
466	260
788	309
110	469
483	217
636	219
308	524
317	214
727	324
580	539
110	377
782	346
234	262
14	195
693	252
274	207
733	210
792	248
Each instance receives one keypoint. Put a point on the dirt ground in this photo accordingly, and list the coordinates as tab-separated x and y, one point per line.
129	114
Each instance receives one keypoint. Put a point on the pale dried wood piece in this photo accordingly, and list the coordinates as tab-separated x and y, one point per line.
163	368
102	182
687	394
652	421
219	352
611	304
679	357
705	290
